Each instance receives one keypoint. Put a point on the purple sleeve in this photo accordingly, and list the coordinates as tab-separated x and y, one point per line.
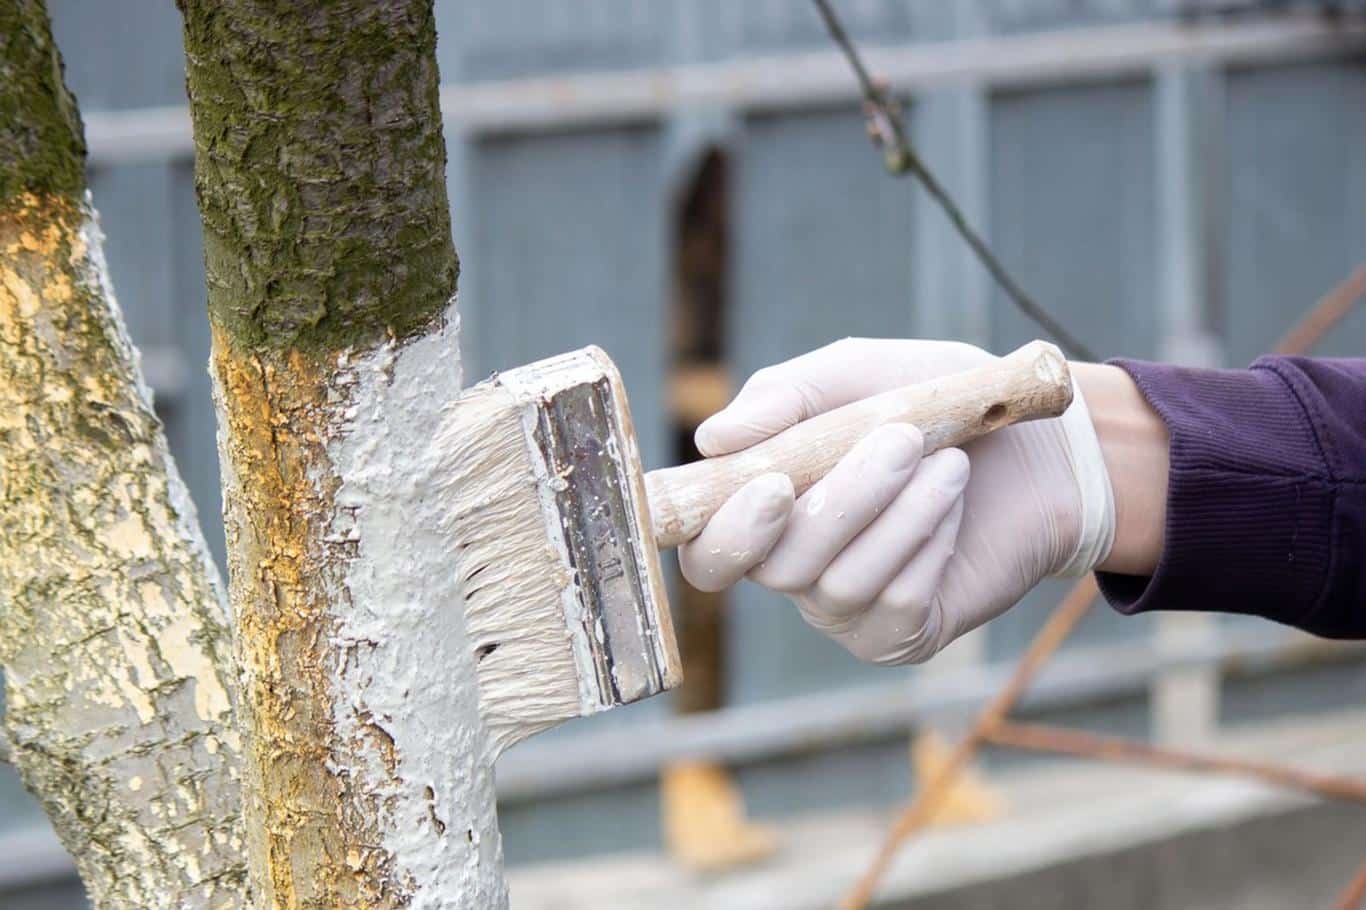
1266	503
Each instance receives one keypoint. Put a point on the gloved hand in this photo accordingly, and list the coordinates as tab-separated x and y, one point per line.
892	554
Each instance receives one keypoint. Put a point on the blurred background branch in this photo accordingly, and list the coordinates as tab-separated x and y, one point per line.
992	725
1355	893
915	817
1061	741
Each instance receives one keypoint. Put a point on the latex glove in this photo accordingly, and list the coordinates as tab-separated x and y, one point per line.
891	554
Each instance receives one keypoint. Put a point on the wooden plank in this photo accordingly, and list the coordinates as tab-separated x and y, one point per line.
810	79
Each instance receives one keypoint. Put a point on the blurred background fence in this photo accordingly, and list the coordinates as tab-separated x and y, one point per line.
689	186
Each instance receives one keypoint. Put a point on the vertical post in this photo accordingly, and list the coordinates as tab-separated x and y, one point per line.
952	293
952	290
1185	703
320	173
119	684
1189	140
461	149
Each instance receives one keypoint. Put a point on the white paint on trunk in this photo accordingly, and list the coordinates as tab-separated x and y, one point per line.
134	536
405	667
187	516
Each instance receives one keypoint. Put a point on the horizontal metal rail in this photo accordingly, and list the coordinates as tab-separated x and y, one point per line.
32	855
808	79
811	723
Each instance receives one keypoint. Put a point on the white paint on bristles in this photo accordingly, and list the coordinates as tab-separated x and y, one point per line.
520	598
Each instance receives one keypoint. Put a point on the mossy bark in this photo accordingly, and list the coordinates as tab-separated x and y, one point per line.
42	146
118	673
320	173
320	170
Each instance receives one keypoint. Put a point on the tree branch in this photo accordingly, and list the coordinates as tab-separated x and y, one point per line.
320	178
885	125
1049	638
1044	738
120	675
6	747
1328	312
887	128
1355	892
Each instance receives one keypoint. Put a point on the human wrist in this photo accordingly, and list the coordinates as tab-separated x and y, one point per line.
1134	443
1092	512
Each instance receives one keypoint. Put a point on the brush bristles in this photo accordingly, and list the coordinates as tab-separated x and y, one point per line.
512	579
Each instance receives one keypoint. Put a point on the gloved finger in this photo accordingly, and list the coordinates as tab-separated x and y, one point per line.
787	393
739	535
859	573
840	505
908	623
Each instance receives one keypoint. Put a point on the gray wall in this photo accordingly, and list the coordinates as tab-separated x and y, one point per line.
822	245
1072	215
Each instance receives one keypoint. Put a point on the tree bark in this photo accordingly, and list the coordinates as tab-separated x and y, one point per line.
119	695
320	171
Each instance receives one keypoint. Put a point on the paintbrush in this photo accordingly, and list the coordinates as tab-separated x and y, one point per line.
560	528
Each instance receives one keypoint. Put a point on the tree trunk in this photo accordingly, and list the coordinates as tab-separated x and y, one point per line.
119	698
320	170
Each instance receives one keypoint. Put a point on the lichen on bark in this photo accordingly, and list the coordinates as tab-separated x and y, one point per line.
119	687
118	683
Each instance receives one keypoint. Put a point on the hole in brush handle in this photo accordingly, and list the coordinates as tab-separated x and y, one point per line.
996	416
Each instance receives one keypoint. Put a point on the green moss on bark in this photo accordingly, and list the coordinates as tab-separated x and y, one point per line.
42	147
320	169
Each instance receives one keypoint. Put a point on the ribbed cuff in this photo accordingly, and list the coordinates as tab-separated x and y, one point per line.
1249	508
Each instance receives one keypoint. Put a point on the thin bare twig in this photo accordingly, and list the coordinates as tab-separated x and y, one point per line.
1043	738
1054	632
888	130
1355	895
1328	312
885	125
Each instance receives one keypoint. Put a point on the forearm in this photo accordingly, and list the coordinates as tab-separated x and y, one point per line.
1264	503
1134	443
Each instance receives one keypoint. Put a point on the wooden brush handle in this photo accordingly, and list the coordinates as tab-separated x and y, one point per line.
1030	383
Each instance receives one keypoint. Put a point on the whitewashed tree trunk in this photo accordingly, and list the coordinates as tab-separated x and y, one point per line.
118	685
362	772
320	175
